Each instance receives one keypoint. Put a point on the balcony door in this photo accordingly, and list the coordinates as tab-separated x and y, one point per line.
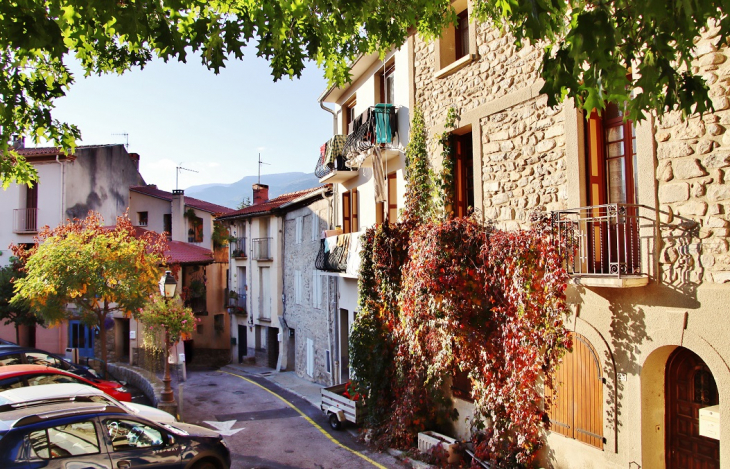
31	208
613	244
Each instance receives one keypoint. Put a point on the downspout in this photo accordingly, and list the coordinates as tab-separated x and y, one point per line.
284	349
63	188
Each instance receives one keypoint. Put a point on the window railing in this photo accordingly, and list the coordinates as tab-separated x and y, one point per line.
25	220
238	248
262	249
610	240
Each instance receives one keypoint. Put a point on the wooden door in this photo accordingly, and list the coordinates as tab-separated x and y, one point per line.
463	175
690	386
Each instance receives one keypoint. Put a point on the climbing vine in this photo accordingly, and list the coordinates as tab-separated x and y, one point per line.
442	295
419	185
446	180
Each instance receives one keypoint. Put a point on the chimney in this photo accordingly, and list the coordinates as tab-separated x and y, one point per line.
179	227
260	193
18	142
135	159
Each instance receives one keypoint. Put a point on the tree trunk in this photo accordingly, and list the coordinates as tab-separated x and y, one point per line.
102	336
17	334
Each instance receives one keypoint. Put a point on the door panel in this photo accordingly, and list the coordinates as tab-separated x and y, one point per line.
133	443
689	387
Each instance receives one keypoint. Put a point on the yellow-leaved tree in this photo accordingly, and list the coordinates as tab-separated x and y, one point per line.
83	268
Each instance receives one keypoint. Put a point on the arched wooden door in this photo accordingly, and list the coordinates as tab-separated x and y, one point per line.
690	386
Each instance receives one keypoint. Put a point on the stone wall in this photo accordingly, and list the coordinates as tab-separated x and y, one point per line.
692	160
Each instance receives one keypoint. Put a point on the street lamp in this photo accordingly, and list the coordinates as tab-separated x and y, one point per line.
167	290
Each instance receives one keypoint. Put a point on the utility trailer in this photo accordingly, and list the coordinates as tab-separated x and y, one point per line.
340	408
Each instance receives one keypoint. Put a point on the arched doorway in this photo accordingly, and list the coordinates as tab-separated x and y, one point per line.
690	386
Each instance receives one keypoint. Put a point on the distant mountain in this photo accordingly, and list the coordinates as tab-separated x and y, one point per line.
230	195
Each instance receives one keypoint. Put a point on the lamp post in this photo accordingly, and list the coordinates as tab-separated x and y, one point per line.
167	290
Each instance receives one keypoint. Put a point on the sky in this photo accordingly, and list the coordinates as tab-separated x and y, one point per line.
184	115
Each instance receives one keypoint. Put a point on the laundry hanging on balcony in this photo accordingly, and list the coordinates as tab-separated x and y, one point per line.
385	123
335	148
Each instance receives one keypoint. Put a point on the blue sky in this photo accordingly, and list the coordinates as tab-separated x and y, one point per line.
215	124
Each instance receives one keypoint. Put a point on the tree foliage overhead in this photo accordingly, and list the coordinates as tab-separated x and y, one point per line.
95	268
589	47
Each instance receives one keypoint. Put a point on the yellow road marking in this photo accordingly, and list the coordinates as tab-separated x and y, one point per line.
306	417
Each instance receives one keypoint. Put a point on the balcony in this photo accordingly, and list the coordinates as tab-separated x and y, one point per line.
25	220
341	156
340	254
262	249
238	248
606	245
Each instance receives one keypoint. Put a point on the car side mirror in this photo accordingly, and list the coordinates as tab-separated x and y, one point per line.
170	440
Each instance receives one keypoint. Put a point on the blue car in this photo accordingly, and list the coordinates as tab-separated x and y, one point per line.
86	435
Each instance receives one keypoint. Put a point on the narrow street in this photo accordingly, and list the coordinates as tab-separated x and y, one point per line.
269	427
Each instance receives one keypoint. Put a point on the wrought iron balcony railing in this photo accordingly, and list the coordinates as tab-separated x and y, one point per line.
610	240
340	253
25	220
262	249
238	248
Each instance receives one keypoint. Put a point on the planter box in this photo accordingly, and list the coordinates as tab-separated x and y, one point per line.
428	440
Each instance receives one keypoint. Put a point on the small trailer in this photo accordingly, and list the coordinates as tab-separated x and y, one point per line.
339	407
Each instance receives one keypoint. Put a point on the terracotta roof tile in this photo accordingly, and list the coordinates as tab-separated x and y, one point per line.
271	204
179	252
153	191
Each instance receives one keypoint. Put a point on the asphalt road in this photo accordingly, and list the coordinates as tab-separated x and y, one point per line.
269	427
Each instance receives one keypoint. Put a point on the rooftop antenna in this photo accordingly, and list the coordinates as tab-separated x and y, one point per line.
126	138
177	173
260	163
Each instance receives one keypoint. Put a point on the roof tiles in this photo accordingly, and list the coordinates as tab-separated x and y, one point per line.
198	204
271	204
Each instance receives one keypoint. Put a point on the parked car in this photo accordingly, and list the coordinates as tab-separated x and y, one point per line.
76	434
11	354
18	376
45	393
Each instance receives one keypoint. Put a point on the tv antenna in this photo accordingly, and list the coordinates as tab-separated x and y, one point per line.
177	173
260	163
126	138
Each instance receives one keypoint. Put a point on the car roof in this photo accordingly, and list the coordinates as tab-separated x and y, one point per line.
47	412
48	391
12	370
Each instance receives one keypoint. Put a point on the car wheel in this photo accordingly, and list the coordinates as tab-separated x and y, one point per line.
205	465
335	422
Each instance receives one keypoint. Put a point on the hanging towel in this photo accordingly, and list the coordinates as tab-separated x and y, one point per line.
334	148
383	117
323	150
378	174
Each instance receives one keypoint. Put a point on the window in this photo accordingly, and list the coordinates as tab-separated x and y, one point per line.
387	82
11	359
39	358
327	359
298	287
74	439
310	357
142	218
463	174
456	47
130	434
167	224
461	385
350	211
349	114
316	289
392	197
577	411
299	222
195	229
11	383
461	35
47	378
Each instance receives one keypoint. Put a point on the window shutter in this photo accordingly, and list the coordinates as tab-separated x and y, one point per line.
316	290
298	287
298	232
346	215
315	226
310	357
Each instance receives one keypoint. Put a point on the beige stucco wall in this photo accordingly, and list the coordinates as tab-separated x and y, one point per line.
528	156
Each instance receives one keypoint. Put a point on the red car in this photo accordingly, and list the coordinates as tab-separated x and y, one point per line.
17	376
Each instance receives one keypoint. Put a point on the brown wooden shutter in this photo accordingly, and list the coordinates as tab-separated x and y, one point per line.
577	410
354	211
392	198
346	215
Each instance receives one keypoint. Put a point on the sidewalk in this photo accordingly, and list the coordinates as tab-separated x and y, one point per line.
288	380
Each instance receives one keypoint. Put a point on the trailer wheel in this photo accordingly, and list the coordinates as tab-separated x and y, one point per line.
335	422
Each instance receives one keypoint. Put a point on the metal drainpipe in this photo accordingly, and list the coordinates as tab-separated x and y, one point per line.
334	116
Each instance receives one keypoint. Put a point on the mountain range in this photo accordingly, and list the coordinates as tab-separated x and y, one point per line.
231	195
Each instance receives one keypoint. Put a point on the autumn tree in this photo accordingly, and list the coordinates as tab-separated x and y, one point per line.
18	314
590	47
85	269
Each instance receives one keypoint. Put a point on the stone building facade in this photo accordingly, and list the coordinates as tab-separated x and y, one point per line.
309	305
649	328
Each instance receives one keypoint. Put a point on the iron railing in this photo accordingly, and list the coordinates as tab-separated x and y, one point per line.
25	220
323	169
604	240
238	247
336	253
262	249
